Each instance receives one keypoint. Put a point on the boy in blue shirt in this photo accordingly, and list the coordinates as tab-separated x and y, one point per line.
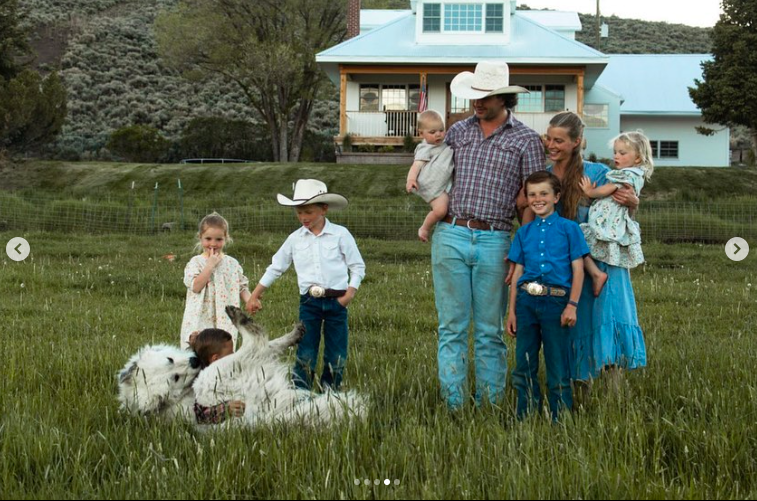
549	273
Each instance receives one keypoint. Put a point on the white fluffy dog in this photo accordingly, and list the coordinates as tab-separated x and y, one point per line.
163	380
255	375
157	380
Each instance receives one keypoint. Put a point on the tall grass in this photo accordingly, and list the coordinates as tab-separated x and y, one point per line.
80	305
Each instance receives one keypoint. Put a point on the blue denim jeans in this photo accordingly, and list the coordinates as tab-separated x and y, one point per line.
538	323
469	285
317	313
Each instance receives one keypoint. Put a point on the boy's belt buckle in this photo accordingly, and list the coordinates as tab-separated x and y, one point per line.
317	291
536	289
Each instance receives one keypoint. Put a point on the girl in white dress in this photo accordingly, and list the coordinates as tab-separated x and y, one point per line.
213	280
613	235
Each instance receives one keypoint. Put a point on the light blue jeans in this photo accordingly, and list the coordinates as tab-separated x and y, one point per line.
469	284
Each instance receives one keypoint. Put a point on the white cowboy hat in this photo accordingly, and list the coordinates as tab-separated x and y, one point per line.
489	79
312	191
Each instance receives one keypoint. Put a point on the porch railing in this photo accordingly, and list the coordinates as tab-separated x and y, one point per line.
382	123
402	123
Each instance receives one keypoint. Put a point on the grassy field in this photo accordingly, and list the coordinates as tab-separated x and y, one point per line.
679	205
72	314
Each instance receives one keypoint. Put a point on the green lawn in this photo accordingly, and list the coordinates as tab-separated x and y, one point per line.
72	314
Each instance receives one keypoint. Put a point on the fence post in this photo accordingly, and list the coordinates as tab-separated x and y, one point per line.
154	208
129	207
181	204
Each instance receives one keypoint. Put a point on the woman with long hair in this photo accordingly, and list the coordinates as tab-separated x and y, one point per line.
607	336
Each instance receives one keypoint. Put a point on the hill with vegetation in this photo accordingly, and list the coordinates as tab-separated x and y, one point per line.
106	53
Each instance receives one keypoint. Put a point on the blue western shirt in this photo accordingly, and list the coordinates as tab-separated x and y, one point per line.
546	248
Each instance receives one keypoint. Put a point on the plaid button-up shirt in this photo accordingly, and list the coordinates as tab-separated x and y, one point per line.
490	172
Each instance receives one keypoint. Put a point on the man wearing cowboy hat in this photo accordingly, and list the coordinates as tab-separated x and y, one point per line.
494	153
329	271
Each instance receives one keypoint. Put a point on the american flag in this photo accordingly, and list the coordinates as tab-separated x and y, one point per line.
423	99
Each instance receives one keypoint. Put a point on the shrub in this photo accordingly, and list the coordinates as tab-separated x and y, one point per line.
138	143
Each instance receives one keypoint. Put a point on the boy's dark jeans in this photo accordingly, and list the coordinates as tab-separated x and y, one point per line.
317	313
538	323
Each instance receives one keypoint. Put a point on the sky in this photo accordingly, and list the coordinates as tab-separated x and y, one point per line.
703	13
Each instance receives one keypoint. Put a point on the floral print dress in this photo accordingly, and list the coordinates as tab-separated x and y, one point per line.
207	308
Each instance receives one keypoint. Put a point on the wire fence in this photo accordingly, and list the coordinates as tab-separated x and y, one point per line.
706	222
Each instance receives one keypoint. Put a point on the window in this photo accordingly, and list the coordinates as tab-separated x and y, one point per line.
394	97
554	98
597	115
541	98
369	97
494	18
462	17
432	17
413	96
381	97
531	102
668	149
458	104
664	149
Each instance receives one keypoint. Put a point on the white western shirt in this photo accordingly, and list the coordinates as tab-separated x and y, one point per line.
322	259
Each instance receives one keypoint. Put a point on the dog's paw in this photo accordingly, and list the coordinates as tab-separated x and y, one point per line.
237	316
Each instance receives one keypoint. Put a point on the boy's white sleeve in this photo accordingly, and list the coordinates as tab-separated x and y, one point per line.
280	263
354	260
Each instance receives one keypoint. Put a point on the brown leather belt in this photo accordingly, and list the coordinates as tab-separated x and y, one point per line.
471	224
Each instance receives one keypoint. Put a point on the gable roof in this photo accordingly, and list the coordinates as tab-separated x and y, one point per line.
530	43
654	84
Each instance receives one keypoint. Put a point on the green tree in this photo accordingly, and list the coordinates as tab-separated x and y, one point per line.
727	93
13	39
139	143
32	110
266	47
219	137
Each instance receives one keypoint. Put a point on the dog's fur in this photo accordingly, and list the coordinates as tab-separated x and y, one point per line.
163	380
157	380
255	375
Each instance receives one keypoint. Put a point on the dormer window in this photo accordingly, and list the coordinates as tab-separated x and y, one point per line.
463	17
494	17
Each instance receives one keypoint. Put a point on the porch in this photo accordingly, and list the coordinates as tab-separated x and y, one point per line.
379	103
391	127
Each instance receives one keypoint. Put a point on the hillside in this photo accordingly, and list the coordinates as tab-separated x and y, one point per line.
106	53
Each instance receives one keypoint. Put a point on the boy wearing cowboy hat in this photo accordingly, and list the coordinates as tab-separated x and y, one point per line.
329	271
493	154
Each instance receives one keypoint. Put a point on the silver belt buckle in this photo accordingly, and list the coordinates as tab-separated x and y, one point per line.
535	289
317	291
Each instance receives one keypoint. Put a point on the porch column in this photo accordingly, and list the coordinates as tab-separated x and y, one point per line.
343	103
580	81
423	101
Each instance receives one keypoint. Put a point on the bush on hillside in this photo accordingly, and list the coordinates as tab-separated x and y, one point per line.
219	137
139	143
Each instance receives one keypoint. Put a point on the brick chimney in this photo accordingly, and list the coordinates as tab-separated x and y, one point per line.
353	18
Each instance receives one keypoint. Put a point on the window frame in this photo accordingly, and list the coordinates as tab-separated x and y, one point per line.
543	91
435	17
606	107
408	88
